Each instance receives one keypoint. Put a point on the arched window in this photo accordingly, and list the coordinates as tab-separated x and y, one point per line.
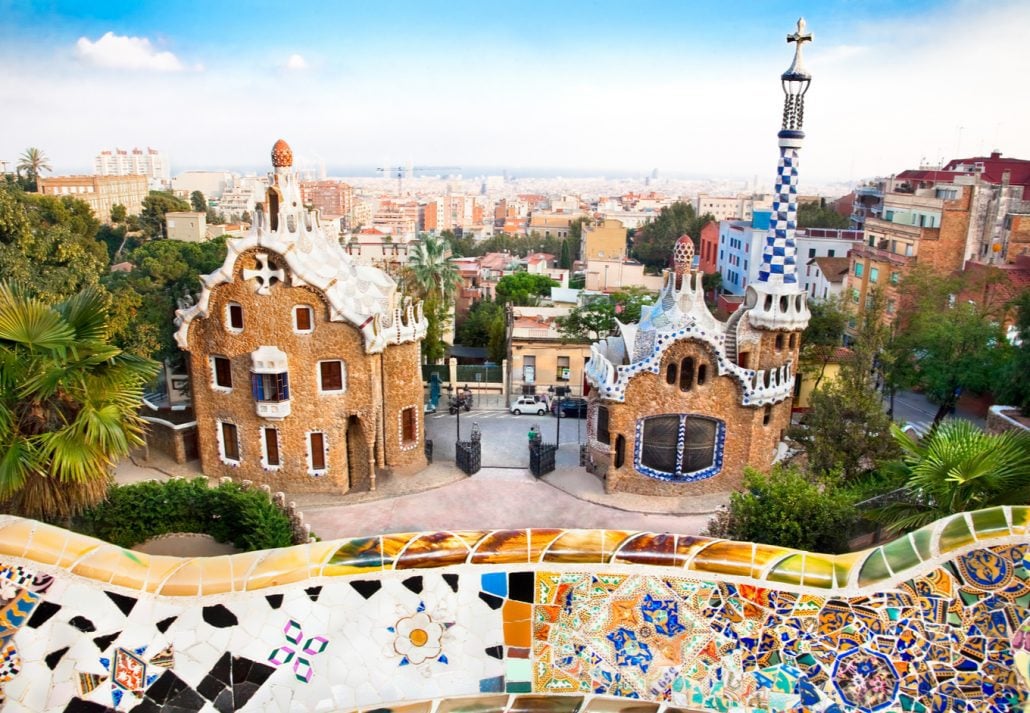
779	342
766	415
670	373
601	425
687	374
783	303
793	340
678	447
620	450
702	374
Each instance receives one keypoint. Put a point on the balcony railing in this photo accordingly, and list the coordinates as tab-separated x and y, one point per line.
881	254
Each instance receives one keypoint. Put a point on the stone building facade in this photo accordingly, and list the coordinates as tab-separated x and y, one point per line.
305	369
680	402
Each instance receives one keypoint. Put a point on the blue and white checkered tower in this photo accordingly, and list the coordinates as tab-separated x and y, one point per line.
776	301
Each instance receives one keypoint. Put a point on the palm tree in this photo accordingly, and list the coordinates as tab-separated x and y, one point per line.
430	271
68	402
431	275
33	161
957	467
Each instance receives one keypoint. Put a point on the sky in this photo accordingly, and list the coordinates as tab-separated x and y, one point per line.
603	87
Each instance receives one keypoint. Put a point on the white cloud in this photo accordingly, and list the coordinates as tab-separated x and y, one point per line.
122	52
296	61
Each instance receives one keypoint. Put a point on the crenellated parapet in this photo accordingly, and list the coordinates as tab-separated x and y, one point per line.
680	313
565	620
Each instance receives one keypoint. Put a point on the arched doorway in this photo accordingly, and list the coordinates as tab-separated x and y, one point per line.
357	456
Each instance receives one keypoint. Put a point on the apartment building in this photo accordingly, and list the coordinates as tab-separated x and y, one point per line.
740	207
741	244
121	162
100	192
331	199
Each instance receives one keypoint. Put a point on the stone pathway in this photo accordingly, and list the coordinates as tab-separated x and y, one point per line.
443	498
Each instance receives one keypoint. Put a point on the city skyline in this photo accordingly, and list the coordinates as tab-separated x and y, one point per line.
581	89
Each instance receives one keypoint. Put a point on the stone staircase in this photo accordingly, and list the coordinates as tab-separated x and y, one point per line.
731	335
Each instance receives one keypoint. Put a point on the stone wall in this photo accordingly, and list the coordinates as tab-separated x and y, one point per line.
566	620
343	417
169	438
747	440
1006	418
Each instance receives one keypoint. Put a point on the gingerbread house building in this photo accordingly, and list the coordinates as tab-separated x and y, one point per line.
681	402
305	366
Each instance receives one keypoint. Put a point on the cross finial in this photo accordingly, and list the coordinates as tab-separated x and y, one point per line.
800	35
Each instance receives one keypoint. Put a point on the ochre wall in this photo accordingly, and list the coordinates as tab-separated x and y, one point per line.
748	441
268	321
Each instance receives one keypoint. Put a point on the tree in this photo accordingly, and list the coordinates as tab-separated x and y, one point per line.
597	319
957	468
565	263
198	202
145	299
431	276
118	213
588	323
819	215
845	430
787	509
155	205
1015	385
474	330
711	282
523	288
497	348
47	244
653	242
33	162
946	346
576	236
822	337
67	404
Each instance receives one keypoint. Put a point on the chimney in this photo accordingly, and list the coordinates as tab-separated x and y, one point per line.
995	154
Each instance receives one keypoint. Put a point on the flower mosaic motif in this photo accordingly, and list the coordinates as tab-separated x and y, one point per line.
418	638
127	673
865	679
629	651
312	646
663	614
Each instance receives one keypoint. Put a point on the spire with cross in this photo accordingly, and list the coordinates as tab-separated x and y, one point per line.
777	300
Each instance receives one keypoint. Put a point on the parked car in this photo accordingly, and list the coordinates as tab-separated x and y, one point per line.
528	404
570	408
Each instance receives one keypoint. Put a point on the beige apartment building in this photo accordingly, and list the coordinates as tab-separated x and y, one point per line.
540	358
100	192
603	241
188	226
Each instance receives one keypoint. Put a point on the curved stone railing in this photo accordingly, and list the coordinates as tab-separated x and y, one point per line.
667	619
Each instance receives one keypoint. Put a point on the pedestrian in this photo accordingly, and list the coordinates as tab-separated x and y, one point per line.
534	434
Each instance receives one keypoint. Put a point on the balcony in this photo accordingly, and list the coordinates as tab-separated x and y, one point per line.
881	255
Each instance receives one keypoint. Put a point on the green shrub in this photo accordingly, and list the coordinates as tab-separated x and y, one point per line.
229	513
785	508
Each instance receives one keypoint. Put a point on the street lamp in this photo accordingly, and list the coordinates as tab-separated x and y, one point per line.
559	392
456	405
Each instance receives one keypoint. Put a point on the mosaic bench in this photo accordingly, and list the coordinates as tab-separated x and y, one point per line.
526	621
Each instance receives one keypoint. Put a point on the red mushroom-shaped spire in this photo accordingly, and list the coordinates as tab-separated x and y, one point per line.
282	154
683	254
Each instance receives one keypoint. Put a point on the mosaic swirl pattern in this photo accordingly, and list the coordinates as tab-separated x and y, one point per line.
528	620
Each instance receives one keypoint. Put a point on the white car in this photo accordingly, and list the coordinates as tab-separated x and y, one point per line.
528	404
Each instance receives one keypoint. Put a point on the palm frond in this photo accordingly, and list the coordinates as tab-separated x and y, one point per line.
30	323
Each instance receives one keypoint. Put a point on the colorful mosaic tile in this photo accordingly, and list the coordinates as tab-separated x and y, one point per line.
558	620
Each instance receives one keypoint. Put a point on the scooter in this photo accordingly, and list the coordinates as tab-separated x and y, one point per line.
463	400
